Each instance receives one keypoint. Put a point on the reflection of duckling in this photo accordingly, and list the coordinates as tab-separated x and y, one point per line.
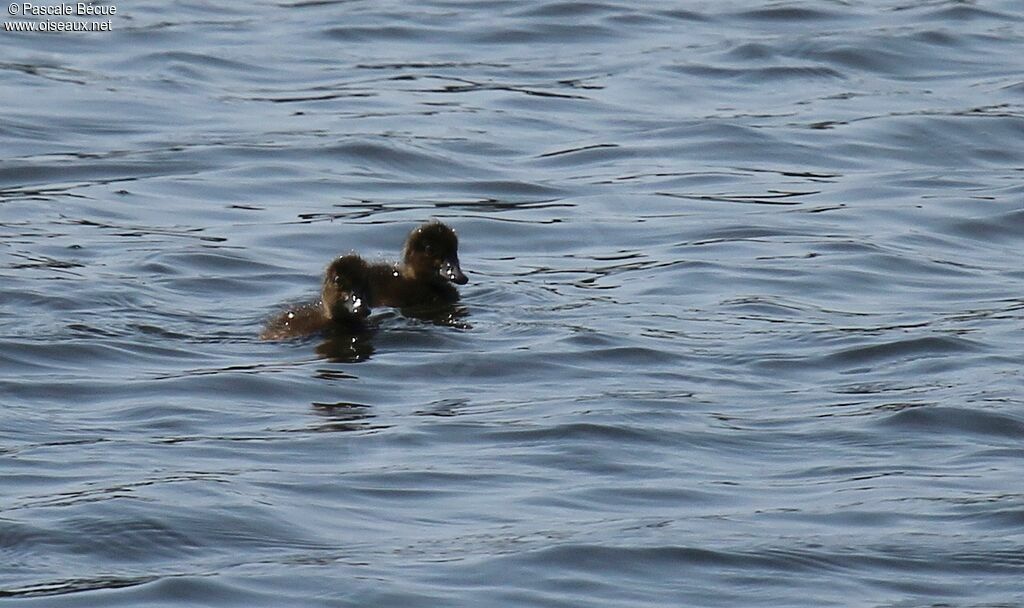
424	277
342	306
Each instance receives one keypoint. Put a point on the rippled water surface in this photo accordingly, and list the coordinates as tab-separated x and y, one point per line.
743	326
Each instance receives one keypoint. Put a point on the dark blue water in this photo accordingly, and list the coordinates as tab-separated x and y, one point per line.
744	324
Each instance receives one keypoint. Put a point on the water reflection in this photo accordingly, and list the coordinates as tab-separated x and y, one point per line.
449	315
345	416
347	346
444	408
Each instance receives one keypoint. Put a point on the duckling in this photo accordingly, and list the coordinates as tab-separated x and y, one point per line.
343	304
424	277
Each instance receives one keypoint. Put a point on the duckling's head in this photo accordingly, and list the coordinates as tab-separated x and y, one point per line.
431	252
345	289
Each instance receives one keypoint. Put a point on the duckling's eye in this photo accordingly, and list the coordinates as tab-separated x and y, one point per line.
428	249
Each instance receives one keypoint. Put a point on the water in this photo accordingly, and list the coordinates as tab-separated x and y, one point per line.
743	324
